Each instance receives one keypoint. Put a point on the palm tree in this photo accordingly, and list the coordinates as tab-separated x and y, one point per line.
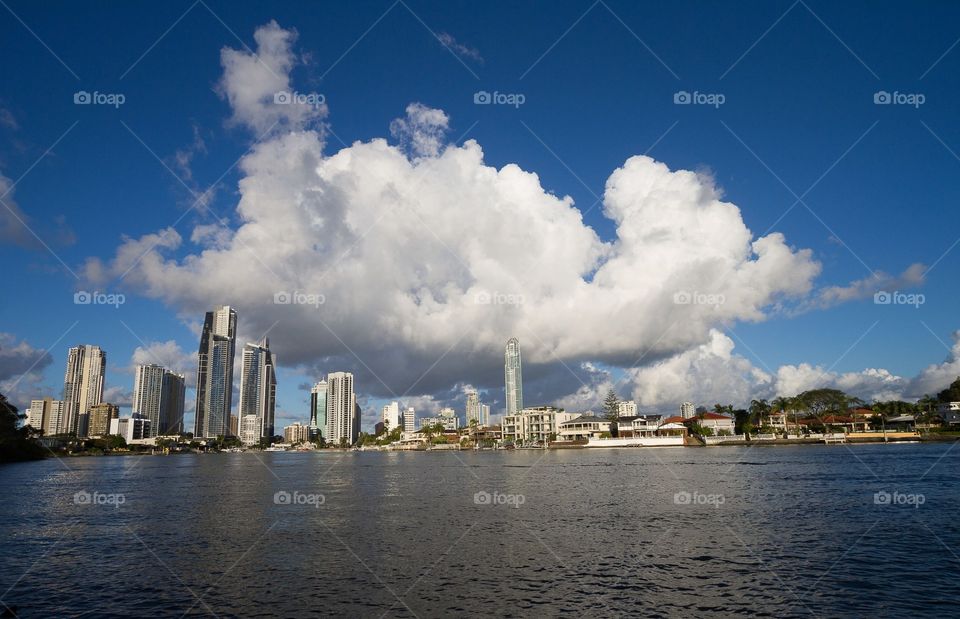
759	409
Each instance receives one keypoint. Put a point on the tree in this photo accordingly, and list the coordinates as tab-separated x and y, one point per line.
758	410
951	393
928	404
611	410
16	443
819	402
742	421
474	427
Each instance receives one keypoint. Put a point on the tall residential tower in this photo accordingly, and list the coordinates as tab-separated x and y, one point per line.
215	373
258	393
342	422
513	377
82	386
318	410
158	394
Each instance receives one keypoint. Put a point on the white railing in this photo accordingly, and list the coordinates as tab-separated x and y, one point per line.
713	440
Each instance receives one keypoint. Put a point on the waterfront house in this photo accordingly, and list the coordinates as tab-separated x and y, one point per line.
535	425
583	428
836	422
638	425
949	412
715	422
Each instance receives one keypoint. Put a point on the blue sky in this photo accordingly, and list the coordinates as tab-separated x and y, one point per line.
798	82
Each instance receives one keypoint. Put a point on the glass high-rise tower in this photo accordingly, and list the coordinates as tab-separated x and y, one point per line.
513	377
258	393
318	410
158	394
215	373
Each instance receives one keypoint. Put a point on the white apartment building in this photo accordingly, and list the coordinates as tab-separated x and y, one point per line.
341	409
134	428
535	425
391	416
409	420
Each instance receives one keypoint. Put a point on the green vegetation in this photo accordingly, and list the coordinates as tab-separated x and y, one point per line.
611	411
17	444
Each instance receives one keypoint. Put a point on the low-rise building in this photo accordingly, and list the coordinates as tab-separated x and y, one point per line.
714	422
100	417
583	428
133	428
638	425
535	425
949	412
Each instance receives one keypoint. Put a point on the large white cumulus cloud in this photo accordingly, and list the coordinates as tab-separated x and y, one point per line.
427	258
713	372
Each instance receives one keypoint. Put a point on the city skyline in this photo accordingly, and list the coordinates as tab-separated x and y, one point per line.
597	307
822	289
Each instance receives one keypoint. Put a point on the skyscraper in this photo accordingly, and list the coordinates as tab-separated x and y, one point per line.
82	386
472	408
513	377
484	414
215	373
341	408
391	416
158	395
172	404
409	420
258	391
318	409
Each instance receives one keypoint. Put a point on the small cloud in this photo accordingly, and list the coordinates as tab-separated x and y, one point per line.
7	119
421	132
460	49
912	277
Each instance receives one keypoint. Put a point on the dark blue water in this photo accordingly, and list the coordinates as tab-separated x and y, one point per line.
764	531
